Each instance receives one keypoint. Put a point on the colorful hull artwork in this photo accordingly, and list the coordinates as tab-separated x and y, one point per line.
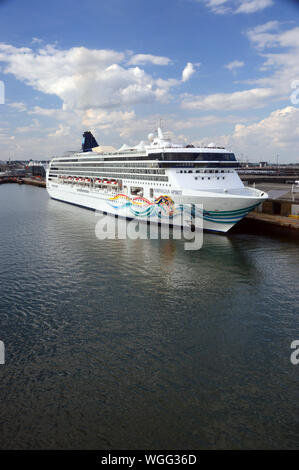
139	206
164	207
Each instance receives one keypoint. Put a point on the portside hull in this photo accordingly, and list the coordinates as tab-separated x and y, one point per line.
218	214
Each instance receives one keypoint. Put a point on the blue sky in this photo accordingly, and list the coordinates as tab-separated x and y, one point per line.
225	71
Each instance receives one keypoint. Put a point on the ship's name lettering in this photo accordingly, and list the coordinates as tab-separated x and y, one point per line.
175	191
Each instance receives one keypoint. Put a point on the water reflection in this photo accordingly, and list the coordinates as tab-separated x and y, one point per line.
139	343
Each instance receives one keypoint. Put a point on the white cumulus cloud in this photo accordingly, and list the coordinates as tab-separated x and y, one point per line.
236	6
84	78
251	6
188	72
235	64
142	59
253	98
278	132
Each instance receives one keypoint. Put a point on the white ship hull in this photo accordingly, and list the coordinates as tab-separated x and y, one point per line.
220	212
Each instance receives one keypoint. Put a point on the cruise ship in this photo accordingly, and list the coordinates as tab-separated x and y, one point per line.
154	181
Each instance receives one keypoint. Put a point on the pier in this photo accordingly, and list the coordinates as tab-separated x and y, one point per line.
259	223
34	181
277	215
290	222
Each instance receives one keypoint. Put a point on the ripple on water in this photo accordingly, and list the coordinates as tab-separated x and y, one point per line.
140	344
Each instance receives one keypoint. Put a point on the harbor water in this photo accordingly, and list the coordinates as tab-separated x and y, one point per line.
139	344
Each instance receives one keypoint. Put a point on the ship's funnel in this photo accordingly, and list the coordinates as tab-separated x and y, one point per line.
88	142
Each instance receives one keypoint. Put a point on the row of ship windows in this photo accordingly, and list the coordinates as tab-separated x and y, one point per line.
168	156
146	182
198	165
112	165
151	164
208	177
115	175
64	170
205	171
129	182
108	159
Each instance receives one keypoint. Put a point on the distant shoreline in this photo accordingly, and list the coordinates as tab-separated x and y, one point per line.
18	180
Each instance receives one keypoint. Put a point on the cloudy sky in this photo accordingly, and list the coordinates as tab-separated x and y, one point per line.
225	71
